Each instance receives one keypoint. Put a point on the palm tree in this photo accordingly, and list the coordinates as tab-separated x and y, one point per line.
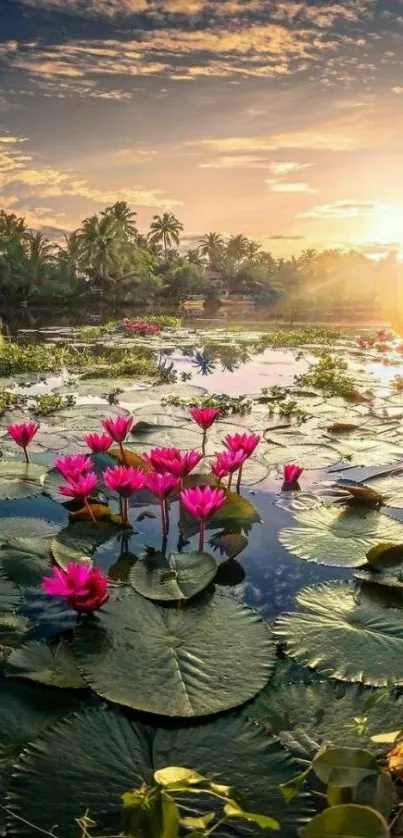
166	229
100	245
211	245
237	248
12	228
194	257
252	250
124	219
38	248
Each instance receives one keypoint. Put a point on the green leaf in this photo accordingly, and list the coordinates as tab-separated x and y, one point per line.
10	596
173	775
387	738
48	662
98	755
369	452
339	537
25	561
180	577
344	767
377	791
310	456
27	528
345	639
170	816
209	655
323	712
385	555
347	821
231	810
20	480
237	513
198	823
77	542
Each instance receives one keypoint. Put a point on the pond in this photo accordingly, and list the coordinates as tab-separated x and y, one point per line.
178	639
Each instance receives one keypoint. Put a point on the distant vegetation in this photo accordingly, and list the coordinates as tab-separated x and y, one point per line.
108	259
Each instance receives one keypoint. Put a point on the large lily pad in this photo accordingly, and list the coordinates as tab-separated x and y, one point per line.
207	656
27	527
48	662
19	480
324	712
76	542
235	515
25	561
347	821
339	537
84	418
179	577
309	456
370	452
345	639
98	754
10	596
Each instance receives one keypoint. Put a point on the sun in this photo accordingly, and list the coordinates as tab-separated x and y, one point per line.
387	226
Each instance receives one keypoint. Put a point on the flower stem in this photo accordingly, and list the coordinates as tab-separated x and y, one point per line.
122	453
229	482
166	510
201	535
204	442
26	454
238	482
121	508
163	522
89	510
125	508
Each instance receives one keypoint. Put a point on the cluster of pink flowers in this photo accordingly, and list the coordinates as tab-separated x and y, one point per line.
141	327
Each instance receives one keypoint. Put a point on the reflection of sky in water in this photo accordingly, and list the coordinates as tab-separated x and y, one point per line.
272	576
262	370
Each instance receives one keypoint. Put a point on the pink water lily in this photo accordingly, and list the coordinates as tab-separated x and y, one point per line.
126	481
291	475
204	418
72	467
23	434
81	489
85	588
162	485
98	442
201	502
157	458
227	462
242	442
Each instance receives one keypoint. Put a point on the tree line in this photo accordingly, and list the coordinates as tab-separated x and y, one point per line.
108	258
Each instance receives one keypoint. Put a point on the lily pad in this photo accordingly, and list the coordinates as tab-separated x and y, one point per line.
345	639
98	755
391	487
27	527
207	656
47	662
10	596
19	480
85	418
339	537
180	577
25	561
325	712
347	821
370	452
237	514
310	456
77	542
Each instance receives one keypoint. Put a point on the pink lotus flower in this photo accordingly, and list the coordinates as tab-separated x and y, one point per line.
84	588
81	488
201	502
242	442
23	434
118	428
205	416
291	475
125	480
98	442
161	485
157	458
72	467
227	463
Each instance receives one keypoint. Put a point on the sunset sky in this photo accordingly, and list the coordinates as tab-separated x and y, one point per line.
278	119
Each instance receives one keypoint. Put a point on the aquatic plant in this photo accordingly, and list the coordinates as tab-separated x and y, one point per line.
80	488
118	429
291	475
85	588
49	403
73	466
228	462
126	481
98	443
162	485
23	435
204	418
330	375
141	327
201	502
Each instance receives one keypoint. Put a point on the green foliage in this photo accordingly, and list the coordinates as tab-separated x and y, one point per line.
48	404
330	375
11	401
236	405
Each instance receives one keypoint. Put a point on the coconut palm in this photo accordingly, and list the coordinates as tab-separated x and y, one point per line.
100	246
212	246
251	250
124	218
194	257
237	248
165	229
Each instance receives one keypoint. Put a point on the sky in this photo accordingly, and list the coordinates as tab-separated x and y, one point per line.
278	119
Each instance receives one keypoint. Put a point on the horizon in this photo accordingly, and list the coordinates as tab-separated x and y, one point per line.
280	121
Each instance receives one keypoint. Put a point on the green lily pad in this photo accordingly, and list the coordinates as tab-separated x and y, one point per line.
339	537
370	452
84	418
25	561
26	709
237	514
180	577
19	480
345	639
325	712
98	755
10	596
76	542
347	821
207	656
27	527
47	662
184	436
391	487
309	456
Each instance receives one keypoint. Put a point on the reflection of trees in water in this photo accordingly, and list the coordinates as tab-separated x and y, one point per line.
229	356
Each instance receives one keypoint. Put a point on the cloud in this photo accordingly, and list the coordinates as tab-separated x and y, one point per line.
283	186
240	161
287	167
397	90
280	237
343	209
